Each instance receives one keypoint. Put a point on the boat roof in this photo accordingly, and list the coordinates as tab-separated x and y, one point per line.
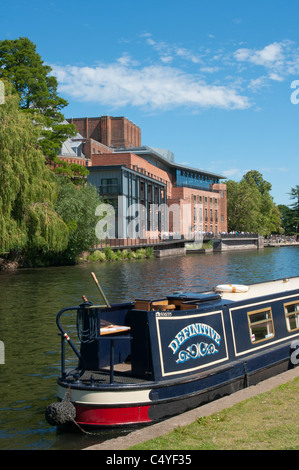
263	288
254	291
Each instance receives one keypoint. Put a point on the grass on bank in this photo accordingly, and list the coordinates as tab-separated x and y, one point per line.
269	421
108	254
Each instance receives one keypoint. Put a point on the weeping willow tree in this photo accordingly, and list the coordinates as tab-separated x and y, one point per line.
28	220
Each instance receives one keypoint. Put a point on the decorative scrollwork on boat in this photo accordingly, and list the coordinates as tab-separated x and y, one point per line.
195	351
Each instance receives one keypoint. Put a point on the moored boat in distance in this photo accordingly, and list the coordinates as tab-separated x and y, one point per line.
143	361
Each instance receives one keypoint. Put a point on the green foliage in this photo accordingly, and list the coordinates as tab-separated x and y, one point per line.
295	195
76	206
242	210
108	254
53	138
36	89
290	215
27	191
46	231
250	207
74	171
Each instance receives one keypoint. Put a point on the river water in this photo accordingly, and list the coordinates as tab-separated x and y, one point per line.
31	298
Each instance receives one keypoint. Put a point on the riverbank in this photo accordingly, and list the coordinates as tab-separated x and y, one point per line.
108	254
105	255
137	439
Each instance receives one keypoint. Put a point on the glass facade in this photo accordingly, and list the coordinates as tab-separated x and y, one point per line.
196	180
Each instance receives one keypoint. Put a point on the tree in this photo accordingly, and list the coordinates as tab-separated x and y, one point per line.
242	207
255	178
28	220
287	219
76	205
23	67
295	195
76	173
250	206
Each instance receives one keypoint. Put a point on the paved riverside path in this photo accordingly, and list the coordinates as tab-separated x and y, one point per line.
156	430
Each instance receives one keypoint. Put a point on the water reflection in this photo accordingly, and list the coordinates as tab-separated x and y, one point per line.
30	300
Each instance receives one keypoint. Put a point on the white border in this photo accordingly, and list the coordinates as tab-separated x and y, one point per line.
183	317
267	343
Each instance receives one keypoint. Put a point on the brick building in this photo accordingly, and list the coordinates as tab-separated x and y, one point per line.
120	166
110	132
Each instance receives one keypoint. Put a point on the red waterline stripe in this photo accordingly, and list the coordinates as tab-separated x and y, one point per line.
111	416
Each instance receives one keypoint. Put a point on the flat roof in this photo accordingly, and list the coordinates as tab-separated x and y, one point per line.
260	289
166	157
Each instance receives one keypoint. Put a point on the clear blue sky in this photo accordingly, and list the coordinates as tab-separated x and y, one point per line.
208	80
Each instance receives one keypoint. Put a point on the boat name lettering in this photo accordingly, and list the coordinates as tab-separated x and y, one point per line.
195	329
196	350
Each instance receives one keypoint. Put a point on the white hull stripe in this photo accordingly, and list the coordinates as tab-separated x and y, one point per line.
120	397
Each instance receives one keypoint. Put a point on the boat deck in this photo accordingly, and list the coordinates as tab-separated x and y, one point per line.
103	376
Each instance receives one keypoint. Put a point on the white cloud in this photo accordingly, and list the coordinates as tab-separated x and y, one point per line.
208	69
276	77
279	60
176	76
155	87
257	83
266	56
233	172
169	50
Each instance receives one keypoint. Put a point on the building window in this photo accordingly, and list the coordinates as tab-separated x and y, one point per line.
261	325
292	315
109	186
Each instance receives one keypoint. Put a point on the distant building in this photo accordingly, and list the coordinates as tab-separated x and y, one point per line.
120	166
72	151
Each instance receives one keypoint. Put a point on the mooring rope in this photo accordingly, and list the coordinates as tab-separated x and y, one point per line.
88	334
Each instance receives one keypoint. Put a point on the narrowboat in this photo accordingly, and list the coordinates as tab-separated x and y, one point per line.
144	361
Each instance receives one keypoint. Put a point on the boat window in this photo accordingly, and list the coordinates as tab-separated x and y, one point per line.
261	325
292	315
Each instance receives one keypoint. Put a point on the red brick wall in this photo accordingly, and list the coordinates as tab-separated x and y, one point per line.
130	159
114	132
215	201
211	200
93	147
